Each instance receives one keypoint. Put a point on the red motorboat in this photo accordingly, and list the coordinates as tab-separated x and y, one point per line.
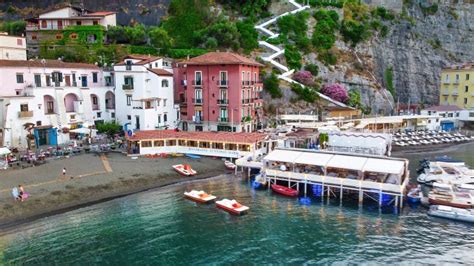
285	191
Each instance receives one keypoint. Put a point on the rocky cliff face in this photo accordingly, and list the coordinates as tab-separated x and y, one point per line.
147	12
418	46
417	51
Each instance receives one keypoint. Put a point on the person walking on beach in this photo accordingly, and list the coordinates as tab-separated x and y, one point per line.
21	191
64	171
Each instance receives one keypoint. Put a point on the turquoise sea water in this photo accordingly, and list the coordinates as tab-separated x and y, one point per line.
160	227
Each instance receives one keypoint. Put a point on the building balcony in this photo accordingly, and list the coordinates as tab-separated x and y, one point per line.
245	101
446	82
31	27
223	83
222	101
127	87
197	119
245	83
222	119
198	101
25	114
197	83
456	81
183	103
445	92
455	92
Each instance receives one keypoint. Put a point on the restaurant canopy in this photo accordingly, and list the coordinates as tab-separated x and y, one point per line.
285	156
384	166
333	160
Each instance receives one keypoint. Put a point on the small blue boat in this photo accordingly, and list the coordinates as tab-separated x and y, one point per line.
259	182
414	195
193	156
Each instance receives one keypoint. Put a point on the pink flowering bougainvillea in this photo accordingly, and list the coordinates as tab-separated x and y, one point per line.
304	77
336	91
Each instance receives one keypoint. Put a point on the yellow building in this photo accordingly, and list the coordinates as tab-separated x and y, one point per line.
457	86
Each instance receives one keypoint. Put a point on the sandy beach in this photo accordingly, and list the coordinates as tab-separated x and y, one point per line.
90	179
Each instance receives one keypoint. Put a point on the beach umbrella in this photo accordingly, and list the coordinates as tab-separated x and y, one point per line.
4	151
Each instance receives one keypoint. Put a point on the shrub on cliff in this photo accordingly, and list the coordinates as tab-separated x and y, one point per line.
313	69
324	31
304	77
336	92
307	94
272	85
293	57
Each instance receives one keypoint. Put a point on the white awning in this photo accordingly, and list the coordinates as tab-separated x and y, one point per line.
384	166
320	159
4	151
282	156
82	130
347	162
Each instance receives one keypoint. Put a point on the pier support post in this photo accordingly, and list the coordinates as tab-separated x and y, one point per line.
396	201
340	194
361	196
380	199
305	187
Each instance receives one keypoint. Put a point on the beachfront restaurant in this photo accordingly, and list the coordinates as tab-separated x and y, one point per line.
218	144
339	172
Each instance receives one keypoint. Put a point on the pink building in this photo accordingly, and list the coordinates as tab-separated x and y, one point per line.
219	91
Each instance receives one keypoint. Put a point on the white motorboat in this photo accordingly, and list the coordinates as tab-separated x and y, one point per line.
452	213
447	172
445	194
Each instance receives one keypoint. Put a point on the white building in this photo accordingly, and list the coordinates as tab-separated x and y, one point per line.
12	47
144	92
53	97
445	117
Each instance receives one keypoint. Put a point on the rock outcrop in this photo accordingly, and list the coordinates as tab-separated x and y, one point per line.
418	50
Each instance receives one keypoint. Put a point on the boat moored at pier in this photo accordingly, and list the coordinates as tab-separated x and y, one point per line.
337	172
452	213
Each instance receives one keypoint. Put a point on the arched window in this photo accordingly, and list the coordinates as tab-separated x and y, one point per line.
164	83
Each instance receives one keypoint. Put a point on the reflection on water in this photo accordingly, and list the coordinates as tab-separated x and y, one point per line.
160	227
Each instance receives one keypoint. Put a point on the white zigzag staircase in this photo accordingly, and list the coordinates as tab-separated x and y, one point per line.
280	51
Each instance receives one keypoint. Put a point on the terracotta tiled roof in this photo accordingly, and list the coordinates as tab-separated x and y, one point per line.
47	64
244	138
444	108
467	65
221	58
160	72
99	14
144	59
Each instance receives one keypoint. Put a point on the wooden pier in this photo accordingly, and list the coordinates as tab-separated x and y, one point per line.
370	177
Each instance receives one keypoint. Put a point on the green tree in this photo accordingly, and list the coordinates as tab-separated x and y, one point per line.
136	34
159	38
116	34
185	18
109	128
16	28
248	35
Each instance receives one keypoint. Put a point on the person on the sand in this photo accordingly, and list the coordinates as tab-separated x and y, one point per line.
21	191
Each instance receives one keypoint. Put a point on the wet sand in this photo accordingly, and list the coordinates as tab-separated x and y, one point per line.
90	179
